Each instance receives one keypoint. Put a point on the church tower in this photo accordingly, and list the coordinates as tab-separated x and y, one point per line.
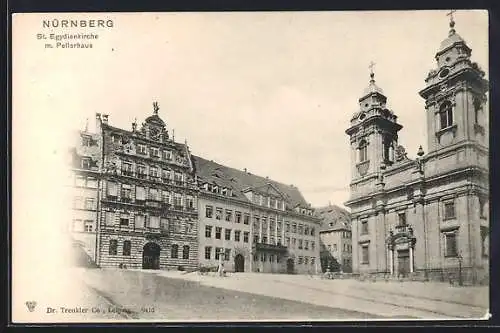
455	96
373	134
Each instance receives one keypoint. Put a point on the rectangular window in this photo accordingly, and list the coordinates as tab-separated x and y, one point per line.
112	189
245	236
153	194
174	251
153	173
294	228
287	227
312	231
163	224
218	213
139	221
126	194
141	171
313	261
88	225
301	229
218	231
300	244
167	155
449	210
154	222
185	252
208	231
209	211
364	227
86	140
334	247
451	244
256	238
80	181
127	246
218	252
306	230
306	245
227	254
110	218
294	242
140	193
365	259
402	218
124	221
141	149
85	163
127	169
227	234
264	240
287	241
237	234
113	247
89	203
363	152
208	252
229	215
237	216
312	246
155	152
301	259
246	219
278	226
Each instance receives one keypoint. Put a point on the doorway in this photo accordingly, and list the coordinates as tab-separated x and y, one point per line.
290	269
403	263
151	256
239	263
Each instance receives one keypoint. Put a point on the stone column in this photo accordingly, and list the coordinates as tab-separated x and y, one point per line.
391	260
411	258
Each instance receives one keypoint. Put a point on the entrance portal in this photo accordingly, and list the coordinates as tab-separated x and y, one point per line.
290	269
151	256
403	263
239	263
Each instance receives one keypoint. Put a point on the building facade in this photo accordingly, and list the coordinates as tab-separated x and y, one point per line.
335	239
143	201
427	216
259	225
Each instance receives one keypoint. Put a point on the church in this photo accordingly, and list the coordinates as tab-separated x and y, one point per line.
424	218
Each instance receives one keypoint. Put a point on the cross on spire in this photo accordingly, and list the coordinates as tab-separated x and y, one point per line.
452	22
372	64
155	107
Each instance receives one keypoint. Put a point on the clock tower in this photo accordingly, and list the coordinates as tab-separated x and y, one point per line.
373	135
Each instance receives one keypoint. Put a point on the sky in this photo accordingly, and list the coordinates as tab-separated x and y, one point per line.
269	92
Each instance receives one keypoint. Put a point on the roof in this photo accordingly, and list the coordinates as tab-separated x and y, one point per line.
240	181
155	119
372	88
335	215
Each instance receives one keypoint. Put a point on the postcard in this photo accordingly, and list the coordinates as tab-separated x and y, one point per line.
250	166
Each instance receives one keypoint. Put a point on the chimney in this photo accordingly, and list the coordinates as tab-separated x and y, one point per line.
97	122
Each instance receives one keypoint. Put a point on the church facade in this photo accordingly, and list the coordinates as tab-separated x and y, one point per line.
424	217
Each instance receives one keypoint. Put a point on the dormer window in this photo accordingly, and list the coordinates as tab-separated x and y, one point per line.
85	163
141	149
446	114
155	152
167	155
86	141
363	151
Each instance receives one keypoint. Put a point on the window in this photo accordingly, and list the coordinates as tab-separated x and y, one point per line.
446	114
278	226
80	181
301	259
245	236
113	247
264	239
402	218
287	241
237	217
190	202
229	215
208	231
141	149
227	254
246	218
313	260
177	201
450	243
127	169
312	246
483	208
485	241
237	234
209	211
300	244
174	251
227	234
153	194
287	227
256	238
306	245
218	231
139	221
141	171
218	213
364	254
306	230
364	227
185	252
218	252
86	140
312	231
271	240
127	246
167	155
363	151
112	189
126	194
294	228
294	242
163	224
306	260
89	203
154	222
88	225
272	202
153	172
85	163
155	152
140	193
301	229
124	221
208	252
449	210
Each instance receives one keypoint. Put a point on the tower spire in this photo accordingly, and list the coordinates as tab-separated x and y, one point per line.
452	22
155	108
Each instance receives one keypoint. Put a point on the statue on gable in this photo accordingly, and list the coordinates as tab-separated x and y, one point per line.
401	154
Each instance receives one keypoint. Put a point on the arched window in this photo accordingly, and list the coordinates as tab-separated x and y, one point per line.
113	246
174	253
127	246
363	151
185	252
446	114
